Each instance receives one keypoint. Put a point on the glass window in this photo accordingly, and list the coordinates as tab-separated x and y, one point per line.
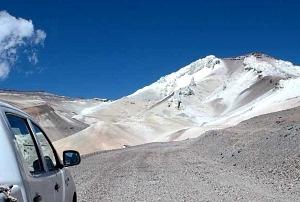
25	143
48	153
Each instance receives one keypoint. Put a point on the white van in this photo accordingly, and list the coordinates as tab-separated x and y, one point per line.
30	168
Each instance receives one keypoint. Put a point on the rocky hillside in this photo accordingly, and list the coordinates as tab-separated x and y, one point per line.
257	160
211	93
54	113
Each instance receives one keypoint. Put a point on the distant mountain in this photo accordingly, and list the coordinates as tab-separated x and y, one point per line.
53	112
210	93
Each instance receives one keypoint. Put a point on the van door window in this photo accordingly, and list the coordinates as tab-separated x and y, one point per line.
25	143
48	153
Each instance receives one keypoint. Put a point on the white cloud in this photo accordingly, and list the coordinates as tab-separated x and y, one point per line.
14	34
40	36
33	58
4	69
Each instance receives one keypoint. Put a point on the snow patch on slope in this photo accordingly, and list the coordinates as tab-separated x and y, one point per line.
185	76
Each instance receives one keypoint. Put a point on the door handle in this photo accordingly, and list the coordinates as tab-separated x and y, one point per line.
37	198
56	187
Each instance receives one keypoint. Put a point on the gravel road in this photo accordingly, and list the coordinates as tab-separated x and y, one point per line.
258	160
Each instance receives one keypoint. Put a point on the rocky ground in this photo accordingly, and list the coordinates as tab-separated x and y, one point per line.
257	160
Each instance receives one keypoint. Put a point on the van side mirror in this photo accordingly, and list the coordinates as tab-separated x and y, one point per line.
71	158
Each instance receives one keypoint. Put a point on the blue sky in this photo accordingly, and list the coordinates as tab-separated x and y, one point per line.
111	48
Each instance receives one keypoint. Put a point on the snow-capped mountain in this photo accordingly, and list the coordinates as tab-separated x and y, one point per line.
210	93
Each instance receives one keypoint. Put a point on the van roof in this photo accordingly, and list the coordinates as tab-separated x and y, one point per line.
3	104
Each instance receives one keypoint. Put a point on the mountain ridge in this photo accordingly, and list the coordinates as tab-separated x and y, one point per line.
210	93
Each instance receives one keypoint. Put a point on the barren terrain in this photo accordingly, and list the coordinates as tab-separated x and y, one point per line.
257	160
